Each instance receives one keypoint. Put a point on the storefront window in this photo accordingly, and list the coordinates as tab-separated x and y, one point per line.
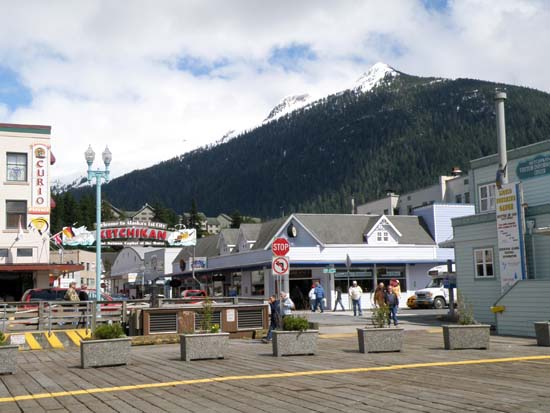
363	277
385	274
258	283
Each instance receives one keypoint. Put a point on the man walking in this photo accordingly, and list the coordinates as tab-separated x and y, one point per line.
339	299
274	318
355	293
393	303
319	296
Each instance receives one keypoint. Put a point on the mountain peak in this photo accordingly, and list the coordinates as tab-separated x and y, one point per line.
375	74
288	104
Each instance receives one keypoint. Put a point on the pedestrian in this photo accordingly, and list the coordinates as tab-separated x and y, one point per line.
355	292
83	294
71	294
380	295
311	296
396	287
273	318
392	300
339	299
319	297
287	304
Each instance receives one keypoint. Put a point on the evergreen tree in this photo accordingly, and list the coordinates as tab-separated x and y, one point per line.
236	219
195	219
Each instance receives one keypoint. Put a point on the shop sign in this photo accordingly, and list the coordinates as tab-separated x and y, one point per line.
534	167
198	263
40	199
511	247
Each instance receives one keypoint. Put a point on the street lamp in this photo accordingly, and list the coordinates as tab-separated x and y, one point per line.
99	176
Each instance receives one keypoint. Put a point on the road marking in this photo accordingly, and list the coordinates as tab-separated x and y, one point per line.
84	333
53	340
75	338
31	341
266	376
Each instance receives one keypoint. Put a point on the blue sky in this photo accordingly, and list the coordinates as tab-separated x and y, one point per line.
183	74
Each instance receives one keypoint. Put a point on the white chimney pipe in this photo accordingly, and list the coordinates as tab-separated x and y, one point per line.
502	175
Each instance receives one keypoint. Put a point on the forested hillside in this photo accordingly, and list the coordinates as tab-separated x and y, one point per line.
401	135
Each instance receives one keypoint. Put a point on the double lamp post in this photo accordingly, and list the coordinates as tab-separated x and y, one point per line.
99	176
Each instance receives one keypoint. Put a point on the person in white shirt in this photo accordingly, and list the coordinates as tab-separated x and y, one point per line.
311	296
355	293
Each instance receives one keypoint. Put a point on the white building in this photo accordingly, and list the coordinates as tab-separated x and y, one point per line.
25	160
128	270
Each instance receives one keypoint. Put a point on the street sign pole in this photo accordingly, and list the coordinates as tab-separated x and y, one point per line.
280	248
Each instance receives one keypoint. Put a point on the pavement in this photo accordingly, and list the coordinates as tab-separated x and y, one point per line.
511	376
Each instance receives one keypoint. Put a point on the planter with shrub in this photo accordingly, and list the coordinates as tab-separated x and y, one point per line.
108	346
542	331
8	355
295	338
380	338
210	343
468	333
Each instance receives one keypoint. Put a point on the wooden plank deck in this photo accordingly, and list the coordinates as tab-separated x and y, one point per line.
506	386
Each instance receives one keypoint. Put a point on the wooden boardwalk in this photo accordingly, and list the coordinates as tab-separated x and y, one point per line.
250	379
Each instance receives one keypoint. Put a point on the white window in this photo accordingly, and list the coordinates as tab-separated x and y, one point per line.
16	167
382	236
484	262
487	197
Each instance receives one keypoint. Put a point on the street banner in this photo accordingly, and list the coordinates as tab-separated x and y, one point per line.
510	235
182	238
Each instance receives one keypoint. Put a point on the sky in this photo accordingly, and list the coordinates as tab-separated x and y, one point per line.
155	79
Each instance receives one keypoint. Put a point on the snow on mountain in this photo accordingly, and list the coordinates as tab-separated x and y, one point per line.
287	105
374	76
67	183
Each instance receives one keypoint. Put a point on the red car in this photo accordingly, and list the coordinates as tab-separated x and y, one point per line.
199	295
56	294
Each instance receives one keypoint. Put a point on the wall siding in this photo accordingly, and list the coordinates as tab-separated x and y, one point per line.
523	308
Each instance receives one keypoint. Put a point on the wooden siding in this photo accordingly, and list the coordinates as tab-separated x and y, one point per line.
524	304
479	293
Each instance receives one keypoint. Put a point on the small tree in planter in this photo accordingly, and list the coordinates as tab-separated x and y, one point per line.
468	333
210	343
380	338
542	331
8	355
295	338
108	346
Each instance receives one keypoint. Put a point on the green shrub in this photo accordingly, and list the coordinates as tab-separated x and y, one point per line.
380	316
206	313
3	339
215	328
108	331
465	311
292	323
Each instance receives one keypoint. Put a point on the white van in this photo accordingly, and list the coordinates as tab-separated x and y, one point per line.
435	294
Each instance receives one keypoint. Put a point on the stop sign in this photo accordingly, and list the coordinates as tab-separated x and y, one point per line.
280	247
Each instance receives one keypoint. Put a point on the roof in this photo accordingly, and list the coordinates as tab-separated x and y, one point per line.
413	228
142	250
250	231
15	127
42	267
230	235
267	232
212	221
206	247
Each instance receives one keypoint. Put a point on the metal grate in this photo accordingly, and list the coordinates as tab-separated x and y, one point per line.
216	319
250	318
163	322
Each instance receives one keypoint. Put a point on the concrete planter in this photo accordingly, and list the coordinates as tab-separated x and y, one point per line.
542	330
379	340
458	337
100	353
203	346
291	343
8	359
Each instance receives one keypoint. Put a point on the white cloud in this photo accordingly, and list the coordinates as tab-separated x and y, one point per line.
105	72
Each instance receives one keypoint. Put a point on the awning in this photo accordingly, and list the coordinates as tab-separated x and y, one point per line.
450	243
41	267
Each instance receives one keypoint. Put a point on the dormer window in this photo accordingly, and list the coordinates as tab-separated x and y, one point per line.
382	236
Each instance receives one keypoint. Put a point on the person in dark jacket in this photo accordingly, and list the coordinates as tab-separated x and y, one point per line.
392	300
273	318
339	299
319	296
83	294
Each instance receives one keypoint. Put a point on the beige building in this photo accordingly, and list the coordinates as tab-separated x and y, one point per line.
25	160
82	257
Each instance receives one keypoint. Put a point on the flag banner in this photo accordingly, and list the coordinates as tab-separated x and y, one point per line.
77	236
182	238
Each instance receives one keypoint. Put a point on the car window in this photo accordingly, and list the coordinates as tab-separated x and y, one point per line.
60	295
42	295
195	294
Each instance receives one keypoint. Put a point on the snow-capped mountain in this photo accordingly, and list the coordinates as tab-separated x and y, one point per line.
376	74
64	184
288	105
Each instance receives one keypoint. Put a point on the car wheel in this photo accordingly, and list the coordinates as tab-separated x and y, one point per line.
439	303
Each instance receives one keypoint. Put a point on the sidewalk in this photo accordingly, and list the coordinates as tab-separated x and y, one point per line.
512	376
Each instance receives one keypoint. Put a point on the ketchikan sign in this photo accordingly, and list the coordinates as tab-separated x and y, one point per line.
511	246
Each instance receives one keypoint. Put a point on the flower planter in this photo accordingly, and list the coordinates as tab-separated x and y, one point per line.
458	337
203	346
291	343
542	330
100	353
379	340
8	359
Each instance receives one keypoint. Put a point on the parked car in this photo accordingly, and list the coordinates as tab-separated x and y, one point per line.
56	294
434	295
198	295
